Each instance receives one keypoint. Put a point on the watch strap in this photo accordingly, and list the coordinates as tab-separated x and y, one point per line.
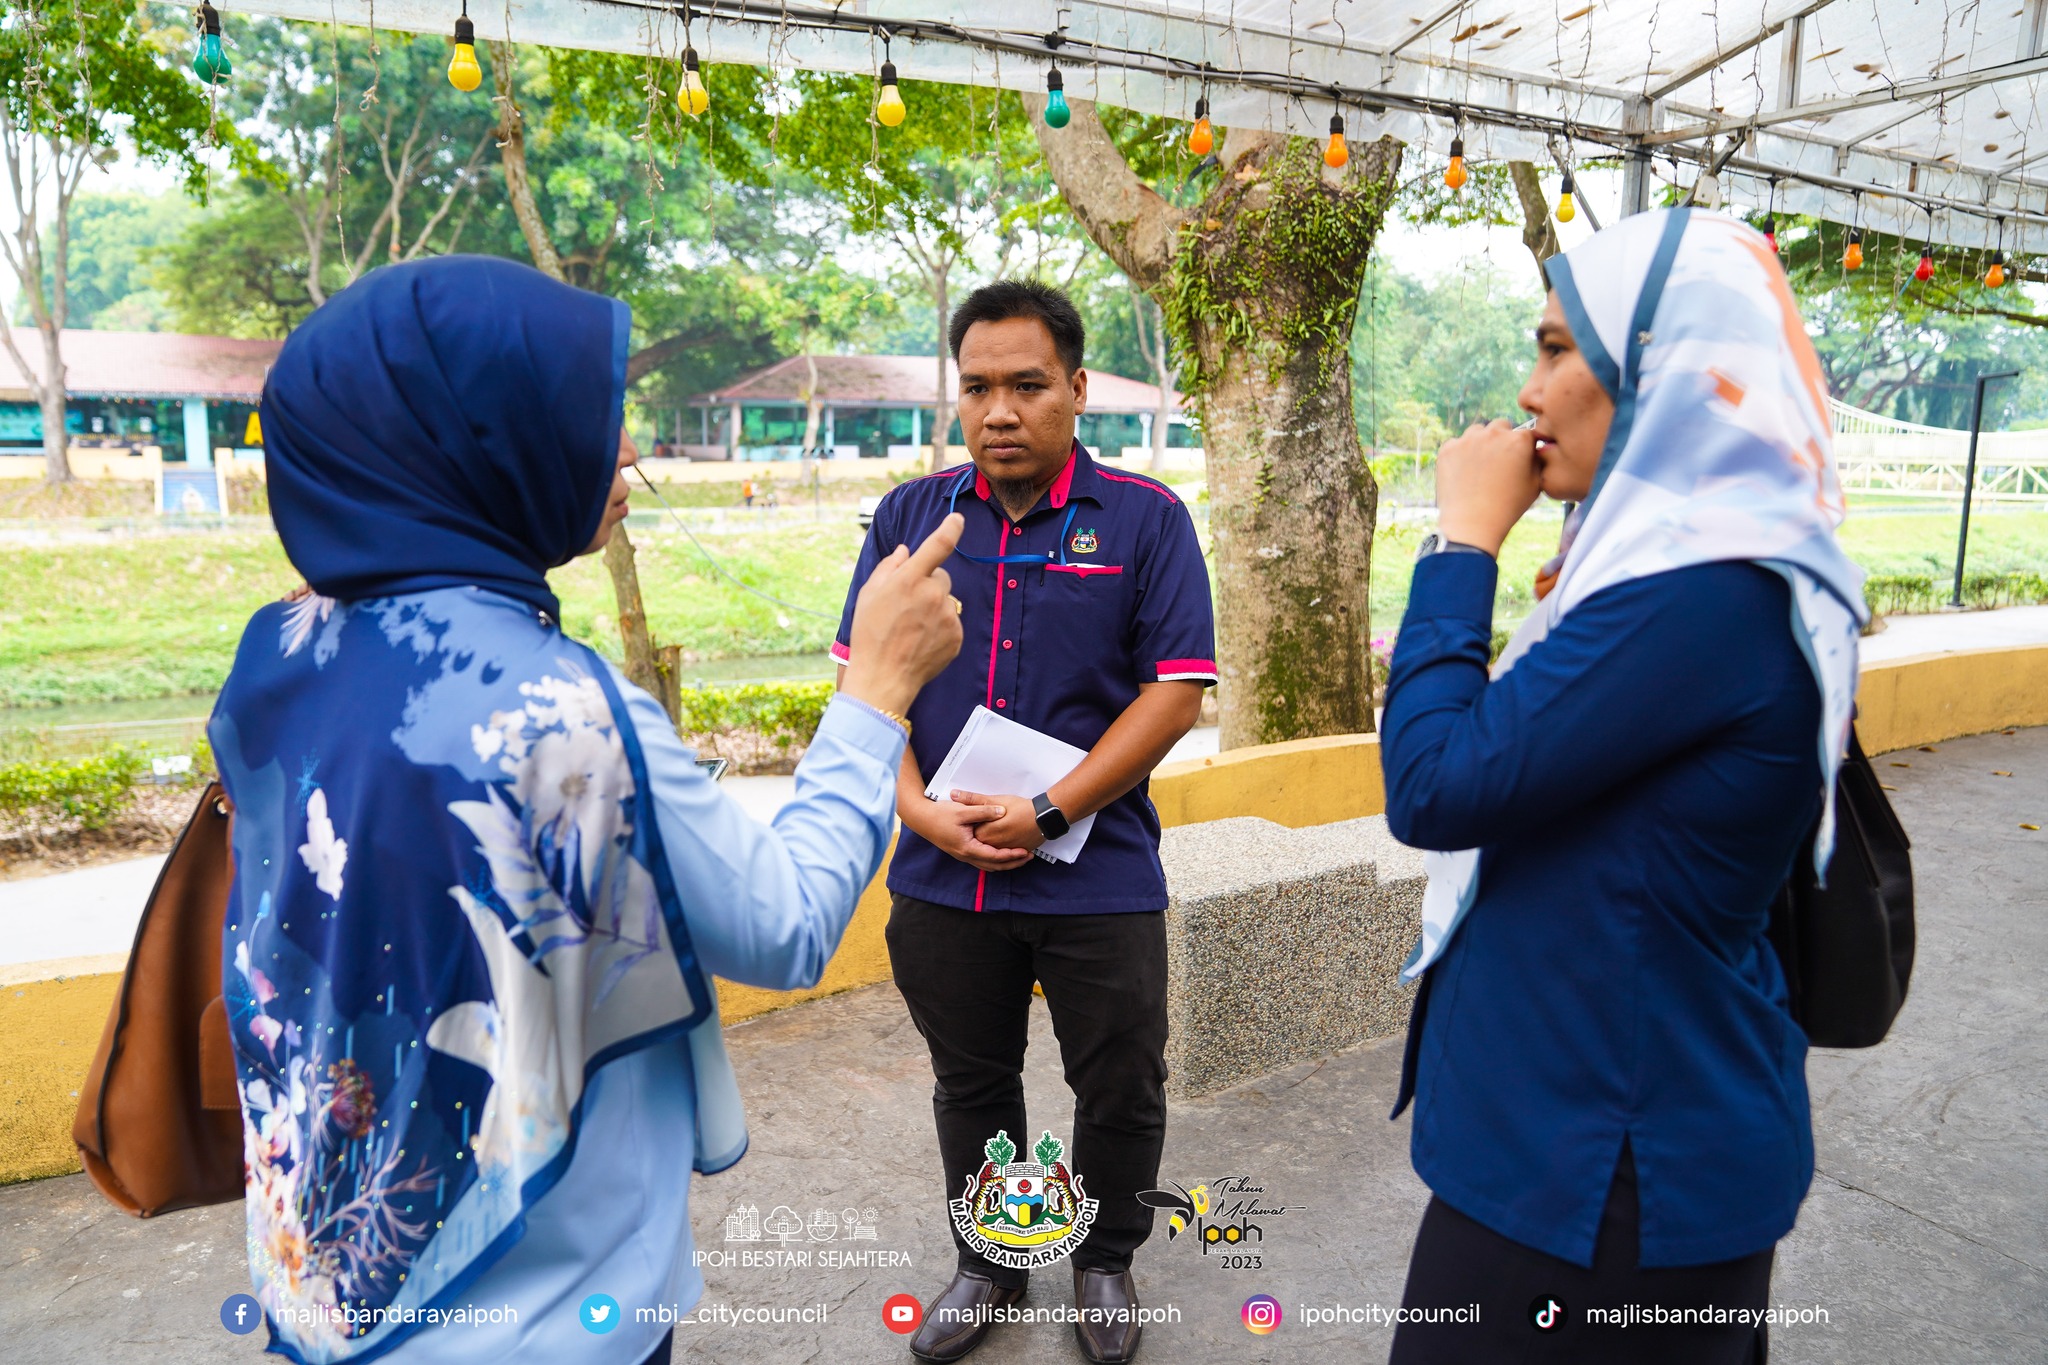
1052	822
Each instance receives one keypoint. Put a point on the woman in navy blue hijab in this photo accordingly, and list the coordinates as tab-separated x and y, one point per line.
481	888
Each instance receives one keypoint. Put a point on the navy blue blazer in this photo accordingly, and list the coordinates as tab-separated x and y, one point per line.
1638	785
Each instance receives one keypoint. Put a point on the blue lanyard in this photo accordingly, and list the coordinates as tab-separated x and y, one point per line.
1060	555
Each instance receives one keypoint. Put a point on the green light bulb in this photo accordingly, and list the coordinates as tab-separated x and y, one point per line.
1056	111
211	63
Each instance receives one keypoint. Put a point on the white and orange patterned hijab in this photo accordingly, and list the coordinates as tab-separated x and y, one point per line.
1721	449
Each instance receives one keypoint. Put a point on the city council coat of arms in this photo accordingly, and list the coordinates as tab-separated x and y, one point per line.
1024	1214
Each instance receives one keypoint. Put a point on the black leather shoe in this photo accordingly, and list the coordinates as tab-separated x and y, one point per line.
1107	1327
952	1324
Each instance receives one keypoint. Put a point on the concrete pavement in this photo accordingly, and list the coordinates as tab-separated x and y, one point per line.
1922	1238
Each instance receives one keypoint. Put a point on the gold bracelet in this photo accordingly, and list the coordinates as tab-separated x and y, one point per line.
903	721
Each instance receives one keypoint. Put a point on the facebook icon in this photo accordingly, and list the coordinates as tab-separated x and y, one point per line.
241	1314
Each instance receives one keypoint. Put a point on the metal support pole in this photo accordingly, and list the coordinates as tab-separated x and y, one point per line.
1635	183
1970	479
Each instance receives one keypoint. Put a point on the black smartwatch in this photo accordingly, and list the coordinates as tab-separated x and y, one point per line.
1435	544
1051	823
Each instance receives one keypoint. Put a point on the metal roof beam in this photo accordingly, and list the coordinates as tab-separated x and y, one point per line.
1819	109
1428	26
1740	46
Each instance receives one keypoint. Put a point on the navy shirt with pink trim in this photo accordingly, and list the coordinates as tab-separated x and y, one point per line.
1101	588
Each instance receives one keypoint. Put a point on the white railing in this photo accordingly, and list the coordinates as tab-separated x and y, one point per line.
1878	454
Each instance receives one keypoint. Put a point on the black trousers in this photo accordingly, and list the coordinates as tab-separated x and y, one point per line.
967	978
1457	1262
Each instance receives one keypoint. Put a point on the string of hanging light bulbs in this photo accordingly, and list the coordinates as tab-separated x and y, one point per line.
889	109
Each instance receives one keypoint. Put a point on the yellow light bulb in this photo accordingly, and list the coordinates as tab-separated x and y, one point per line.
1565	211
463	72
889	106
693	99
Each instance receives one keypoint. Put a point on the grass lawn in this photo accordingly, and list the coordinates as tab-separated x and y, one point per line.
161	616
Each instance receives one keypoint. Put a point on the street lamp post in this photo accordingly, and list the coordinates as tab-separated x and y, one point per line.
1970	479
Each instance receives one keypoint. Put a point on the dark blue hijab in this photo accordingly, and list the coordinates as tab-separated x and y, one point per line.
442	423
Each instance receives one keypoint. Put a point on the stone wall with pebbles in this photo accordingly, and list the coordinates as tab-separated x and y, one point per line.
1282	944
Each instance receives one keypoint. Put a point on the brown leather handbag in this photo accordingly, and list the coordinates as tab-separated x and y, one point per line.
159	1124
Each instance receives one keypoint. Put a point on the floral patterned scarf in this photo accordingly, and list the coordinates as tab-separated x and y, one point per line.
451	903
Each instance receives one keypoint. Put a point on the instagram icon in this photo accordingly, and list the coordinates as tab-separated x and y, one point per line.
1261	1314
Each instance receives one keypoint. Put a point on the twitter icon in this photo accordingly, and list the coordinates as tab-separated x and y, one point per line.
600	1313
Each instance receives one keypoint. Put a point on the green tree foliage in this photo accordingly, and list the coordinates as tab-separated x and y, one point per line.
369	157
115	240
1911	349
70	74
1428	359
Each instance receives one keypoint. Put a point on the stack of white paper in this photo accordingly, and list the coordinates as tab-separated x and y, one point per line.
998	757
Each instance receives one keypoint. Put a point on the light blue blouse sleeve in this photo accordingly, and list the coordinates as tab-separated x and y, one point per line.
766	904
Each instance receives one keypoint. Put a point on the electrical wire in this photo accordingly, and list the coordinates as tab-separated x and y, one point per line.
712	559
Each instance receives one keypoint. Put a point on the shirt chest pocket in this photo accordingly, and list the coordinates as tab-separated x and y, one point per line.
1082	602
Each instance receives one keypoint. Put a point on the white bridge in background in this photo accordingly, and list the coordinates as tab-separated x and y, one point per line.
1876	454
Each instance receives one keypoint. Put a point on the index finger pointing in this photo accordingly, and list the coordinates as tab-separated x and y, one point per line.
939	545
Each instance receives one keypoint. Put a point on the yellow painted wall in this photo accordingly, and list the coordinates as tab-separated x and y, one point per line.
48	1030
1931	697
88	462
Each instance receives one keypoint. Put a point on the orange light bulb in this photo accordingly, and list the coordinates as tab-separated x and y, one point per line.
1454	174
1201	138
1852	255
1336	154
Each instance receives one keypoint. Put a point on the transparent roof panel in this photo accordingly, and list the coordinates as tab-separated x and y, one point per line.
1878	110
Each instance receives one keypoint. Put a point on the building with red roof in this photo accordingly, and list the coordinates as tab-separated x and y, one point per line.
187	395
878	405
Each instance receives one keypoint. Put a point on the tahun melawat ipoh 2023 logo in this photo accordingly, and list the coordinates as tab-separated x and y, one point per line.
1024	1214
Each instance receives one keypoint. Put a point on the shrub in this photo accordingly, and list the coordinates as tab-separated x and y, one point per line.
91	791
784	713
1895	594
2004	589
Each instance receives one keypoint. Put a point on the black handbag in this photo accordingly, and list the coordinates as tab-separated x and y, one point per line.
1847	947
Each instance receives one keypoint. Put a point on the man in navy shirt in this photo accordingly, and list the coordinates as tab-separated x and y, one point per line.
1085	605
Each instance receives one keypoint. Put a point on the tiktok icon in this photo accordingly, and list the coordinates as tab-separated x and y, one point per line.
1546	1314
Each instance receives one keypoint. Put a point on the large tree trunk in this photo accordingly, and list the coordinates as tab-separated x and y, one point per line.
1259	284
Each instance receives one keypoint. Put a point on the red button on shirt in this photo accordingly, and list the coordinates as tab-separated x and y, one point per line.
1013	582
1000	703
1006	644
